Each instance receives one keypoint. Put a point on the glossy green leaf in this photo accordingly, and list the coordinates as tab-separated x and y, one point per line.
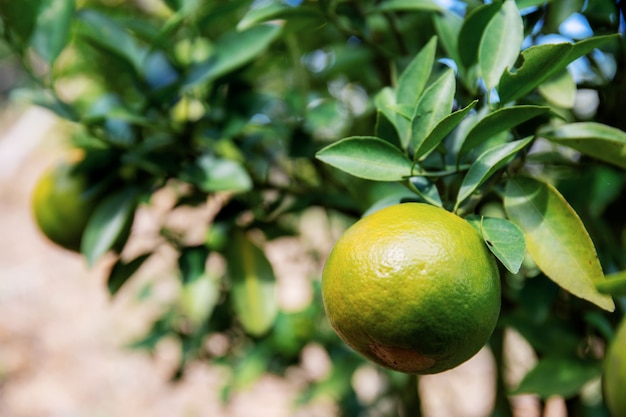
107	224
264	12
110	36
597	140
253	286
523	4
472	30
499	121
385	101
556	238
367	157
500	44
560	376
541	62
52	30
614	284
432	107
385	129
426	190
413	79
408	5
272	11
391	199
403	111
181	4
21	20
441	130
559	90
487	164
233	50
213	174
448	25
503	238
122	271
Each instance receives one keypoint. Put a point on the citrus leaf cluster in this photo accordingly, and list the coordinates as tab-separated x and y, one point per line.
425	120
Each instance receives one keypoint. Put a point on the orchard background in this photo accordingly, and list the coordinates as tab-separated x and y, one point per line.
232	142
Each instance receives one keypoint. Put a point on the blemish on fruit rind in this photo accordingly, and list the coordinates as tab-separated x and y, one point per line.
402	359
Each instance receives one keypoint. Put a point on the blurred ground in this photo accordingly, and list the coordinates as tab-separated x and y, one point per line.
62	339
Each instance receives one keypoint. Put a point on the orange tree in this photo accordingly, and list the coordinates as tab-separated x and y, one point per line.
508	113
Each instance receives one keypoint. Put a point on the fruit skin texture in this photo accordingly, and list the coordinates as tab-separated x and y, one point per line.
62	203
614	378
413	288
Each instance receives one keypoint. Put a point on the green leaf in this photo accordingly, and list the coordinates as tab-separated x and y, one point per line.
448	25
385	129
262	13
472	30
503	238
486	165
441	130
426	190
199	297
433	106
559	90
273	11
413	80
403	111
541	62
212	174
192	263
251	366
122	271
597	140
385	101
408	5
524	4
367	157
615	284
560	376
252	284
110	219
500	43
175	5
110	36
231	51
53	25
394	198
499	121
20	20
556	238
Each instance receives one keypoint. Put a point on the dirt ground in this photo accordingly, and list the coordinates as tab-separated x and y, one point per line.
62	339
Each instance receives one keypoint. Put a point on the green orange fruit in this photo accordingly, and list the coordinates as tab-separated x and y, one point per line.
62	202
413	288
